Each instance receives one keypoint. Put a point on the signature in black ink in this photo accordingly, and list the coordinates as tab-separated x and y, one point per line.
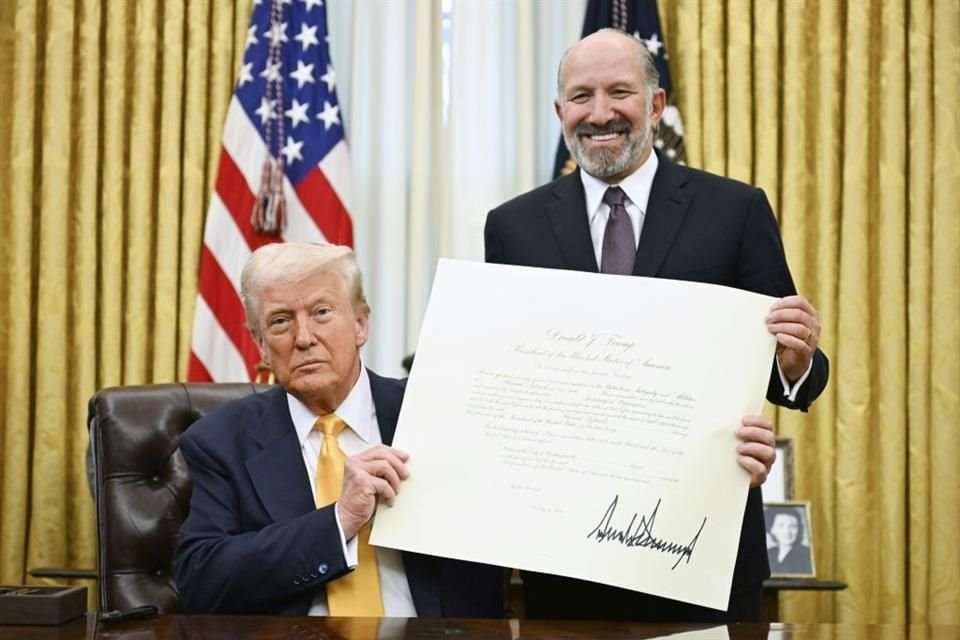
642	536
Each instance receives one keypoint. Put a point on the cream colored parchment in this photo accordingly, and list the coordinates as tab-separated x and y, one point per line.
582	425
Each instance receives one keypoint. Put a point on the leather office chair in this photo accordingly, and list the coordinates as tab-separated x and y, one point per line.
142	487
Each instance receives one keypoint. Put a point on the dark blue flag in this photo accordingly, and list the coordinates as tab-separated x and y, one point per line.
641	19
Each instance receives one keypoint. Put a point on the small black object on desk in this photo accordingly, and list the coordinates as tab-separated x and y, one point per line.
146	611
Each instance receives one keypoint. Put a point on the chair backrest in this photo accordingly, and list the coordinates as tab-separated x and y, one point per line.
142	485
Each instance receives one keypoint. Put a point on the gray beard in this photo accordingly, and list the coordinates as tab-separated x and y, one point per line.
603	163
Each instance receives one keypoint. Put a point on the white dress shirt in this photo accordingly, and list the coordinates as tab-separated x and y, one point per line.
362	432
637	188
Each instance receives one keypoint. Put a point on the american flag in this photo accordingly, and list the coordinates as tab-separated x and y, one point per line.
283	175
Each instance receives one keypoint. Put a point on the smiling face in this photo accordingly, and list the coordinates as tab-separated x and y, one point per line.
606	108
310	335
785	528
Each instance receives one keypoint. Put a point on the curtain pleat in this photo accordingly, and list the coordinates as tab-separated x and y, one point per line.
920	303
713	83
114	141
82	349
54	434
767	97
140	216
739	91
944	452
7	46
889	265
171	79
20	281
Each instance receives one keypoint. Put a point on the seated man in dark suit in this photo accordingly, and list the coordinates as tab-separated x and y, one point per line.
286	482
628	210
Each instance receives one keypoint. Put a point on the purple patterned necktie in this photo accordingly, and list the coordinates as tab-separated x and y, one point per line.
619	246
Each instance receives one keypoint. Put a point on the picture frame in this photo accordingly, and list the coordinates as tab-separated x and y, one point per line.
779	484
789	539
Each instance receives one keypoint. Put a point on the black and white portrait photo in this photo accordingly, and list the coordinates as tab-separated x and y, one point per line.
789	547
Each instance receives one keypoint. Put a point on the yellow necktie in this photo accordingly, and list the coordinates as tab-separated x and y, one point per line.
357	593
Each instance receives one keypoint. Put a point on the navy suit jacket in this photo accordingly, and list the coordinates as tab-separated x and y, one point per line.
698	227
254	542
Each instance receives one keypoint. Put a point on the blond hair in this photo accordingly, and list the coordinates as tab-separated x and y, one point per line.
281	262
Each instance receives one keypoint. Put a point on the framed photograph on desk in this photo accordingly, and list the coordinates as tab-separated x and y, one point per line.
779	484
789	541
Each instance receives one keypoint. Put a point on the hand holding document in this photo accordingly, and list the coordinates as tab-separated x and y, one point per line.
582	425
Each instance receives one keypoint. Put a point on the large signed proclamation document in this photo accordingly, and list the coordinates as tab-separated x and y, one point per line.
582	425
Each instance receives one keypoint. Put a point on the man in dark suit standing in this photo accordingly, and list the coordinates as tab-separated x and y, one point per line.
629	211
285	483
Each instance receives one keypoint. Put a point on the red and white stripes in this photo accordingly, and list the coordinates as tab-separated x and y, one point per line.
222	349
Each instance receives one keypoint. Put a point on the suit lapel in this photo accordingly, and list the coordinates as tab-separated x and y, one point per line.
424	577
387	398
277	473
571	228
665	211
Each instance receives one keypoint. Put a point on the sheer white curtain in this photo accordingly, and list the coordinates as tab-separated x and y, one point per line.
425	169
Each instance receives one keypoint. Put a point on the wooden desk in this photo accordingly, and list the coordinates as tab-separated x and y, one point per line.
267	628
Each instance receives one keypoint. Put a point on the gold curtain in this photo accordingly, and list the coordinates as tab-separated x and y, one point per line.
110	120
846	114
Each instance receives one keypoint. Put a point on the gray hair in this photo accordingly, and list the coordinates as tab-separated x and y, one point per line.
651	76
293	261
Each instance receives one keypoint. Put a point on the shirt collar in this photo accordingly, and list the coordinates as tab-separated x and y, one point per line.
356	410
636	186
